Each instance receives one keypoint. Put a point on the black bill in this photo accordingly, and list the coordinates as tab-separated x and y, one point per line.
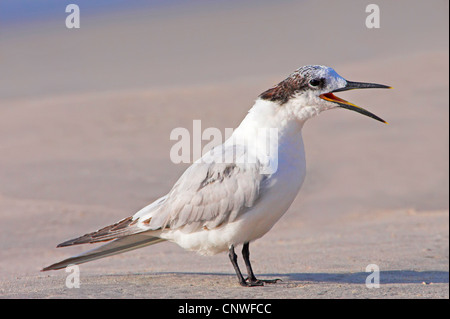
350	106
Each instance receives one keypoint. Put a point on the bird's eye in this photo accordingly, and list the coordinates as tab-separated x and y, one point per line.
314	82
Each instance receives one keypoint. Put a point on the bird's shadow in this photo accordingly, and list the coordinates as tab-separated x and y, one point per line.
385	277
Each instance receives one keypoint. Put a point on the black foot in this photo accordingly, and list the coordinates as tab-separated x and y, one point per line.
261	282
251	283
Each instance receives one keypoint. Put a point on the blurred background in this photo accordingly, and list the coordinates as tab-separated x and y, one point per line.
86	114
154	44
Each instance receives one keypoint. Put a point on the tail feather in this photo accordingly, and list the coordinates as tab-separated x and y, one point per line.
122	228
117	246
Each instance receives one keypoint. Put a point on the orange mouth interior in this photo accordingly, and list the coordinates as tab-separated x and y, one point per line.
333	98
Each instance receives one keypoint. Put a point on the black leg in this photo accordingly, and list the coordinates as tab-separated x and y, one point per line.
233	258
242	281
251	276
246	255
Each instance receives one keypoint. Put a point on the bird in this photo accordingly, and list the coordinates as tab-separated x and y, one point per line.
235	193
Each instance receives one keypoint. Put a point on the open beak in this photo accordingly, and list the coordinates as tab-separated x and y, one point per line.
350	106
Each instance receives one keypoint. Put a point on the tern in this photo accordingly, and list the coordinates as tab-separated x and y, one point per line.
222	201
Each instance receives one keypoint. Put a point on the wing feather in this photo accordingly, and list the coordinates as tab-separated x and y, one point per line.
210	192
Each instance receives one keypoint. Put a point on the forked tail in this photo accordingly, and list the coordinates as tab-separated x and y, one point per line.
115	247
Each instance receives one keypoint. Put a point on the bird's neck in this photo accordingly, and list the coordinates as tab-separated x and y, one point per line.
272	134
267	115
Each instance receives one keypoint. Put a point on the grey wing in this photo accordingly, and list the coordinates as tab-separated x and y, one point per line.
210	192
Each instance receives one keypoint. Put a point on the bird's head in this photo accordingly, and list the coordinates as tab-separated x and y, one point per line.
309	91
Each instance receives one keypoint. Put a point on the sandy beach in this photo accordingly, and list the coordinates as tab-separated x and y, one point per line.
86	116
